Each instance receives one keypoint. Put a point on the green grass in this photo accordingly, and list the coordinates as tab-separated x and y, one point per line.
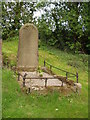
9	51
17	104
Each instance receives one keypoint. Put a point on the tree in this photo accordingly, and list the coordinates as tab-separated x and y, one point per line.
68	23
14	14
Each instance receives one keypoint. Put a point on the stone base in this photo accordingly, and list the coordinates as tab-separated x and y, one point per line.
39	84
28	69
77	87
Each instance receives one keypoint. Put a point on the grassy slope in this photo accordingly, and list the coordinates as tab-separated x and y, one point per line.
17	104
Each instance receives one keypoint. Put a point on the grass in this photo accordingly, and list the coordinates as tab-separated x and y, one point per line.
17	104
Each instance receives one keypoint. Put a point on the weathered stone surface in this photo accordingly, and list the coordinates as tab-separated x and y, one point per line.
27	58
78	87
40	82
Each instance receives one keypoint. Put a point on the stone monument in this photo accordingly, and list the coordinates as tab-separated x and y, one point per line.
27	58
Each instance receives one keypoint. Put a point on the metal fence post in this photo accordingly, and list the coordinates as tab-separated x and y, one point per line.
66	75
46	82
23	81
77	77
24	77
29	90
50	67
62	83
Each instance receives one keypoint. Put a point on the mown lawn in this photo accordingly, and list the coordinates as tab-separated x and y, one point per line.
17	104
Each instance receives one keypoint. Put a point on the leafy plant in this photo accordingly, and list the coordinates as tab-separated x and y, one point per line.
40	71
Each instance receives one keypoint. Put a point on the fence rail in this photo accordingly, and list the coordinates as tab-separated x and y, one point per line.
46	78
24	77
67	73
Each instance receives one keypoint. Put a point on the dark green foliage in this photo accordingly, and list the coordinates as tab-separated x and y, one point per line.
67	25
14	14
64	25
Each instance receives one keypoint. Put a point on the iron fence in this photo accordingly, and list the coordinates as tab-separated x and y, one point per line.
67	73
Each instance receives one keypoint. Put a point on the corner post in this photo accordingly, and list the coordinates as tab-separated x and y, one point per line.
24	77
62	83
46	82
77	77
66	75
29	90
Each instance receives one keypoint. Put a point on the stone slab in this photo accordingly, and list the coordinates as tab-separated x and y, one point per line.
40	82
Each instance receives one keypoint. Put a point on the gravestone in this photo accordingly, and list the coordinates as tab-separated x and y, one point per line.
27	59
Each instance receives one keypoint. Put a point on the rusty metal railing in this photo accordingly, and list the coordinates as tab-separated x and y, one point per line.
45	78
67	73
